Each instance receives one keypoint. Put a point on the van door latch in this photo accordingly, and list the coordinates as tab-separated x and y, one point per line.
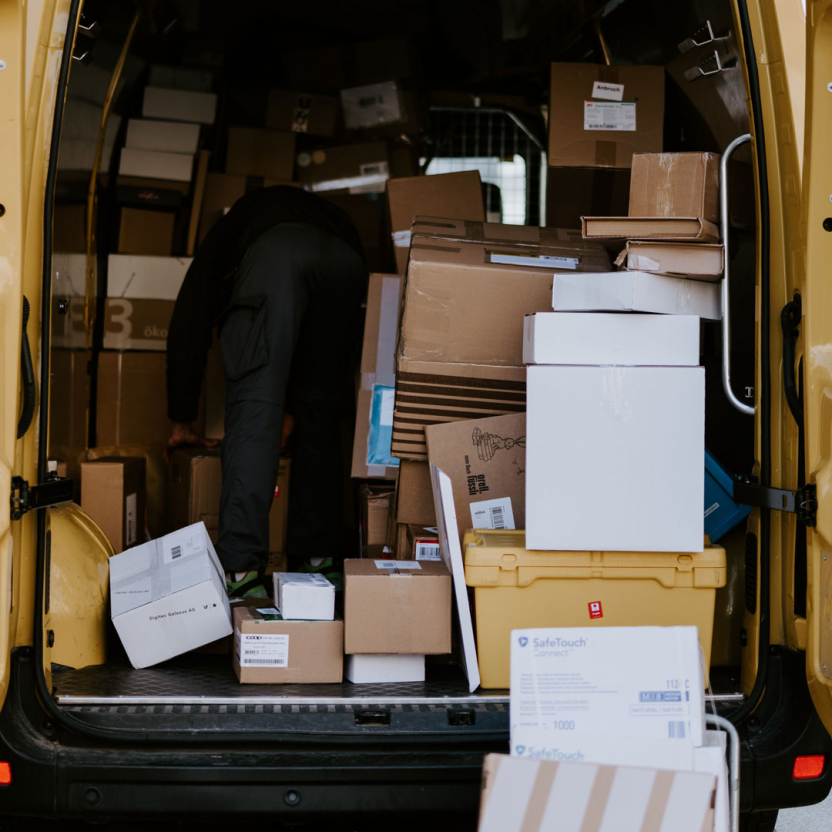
27	497
803	502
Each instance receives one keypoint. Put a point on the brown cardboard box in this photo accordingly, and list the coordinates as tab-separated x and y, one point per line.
682	229
486	462
113	494
137	324
396	609
421	543
456	195
296	652
256	152
378	374
301	112
375	505
146	232
414	495
278	562
675	185
572	193
355	168
195	487
279	513
69	232
586	97
69	393
701	261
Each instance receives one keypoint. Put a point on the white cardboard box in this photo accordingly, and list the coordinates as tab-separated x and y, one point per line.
635	292
153	164
371	668
304	597
145	276
165	136
615	458
168	596
611	338
179	105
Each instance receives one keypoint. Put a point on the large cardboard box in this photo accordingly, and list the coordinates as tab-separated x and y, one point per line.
179	105
486	461
572	193
136	324
454	195
354	168
168	596
371	457
599	116
154	164
146	232
113	494
256	152
145	277
393	606
165	136
699	261
301	112
642	428
68	398
269	650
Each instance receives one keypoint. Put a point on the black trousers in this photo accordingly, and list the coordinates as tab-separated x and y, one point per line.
286	341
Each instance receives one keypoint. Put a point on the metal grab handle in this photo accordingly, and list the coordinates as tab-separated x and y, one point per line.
724	219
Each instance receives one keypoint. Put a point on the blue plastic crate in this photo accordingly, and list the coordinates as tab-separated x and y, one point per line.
721	512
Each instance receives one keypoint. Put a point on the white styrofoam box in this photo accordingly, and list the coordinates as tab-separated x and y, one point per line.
164	136
611	338
153	164
615	458
168	596
180	78
635	292
179	105
382	668
145	276
304	597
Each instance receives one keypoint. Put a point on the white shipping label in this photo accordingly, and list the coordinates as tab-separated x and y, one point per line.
268	610
609	92
397	564
131	534
602	115
543	261
177	548
427	550
388	397
492	514
263	649
401	239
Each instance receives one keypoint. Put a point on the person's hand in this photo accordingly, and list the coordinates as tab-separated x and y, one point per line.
183	433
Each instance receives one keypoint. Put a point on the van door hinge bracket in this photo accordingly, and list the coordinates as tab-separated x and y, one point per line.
27	497
803	502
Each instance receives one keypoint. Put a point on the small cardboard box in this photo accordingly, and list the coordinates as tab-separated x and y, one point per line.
683	229
194	487
144	277
165	136
599	116
256	152
375	507
381	669
675	185
698	261
301	112
572	193
269	650
168	596
113	494
136	324
394	606
154	164
421	543
146	232
179	105
353	168
304	597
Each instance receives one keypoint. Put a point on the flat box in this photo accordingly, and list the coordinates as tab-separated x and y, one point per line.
599	116
304	597
301	112
698	261
154	164
145	277
269	650
486	462
68	397
165	136
256	152
113	494
179	105
611	338
395	606
168	596
572	193
517	588
146	232
540	795
373	105
375	504
354	168
371	456
643	427
636	292
136	324
682	229
414	494
194	486
722	512
675	185
381	669
454	195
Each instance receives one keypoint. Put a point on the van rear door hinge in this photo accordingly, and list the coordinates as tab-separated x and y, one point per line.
27	497
803	502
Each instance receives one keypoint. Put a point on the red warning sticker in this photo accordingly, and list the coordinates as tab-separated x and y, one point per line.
595	610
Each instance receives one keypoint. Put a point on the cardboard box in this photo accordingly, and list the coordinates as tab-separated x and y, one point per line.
146	232
269	650
675	185
113	495
68	398
373	105
421	543
194	488
610	339
179	105
165	136
136	324
145	277
375	506
256	152
394	606
643	427
381	669
278	562
304	597
354	168
572	193
279	513
454	195
154	164
698	261
599	116
486	462
538	795
636	292
168	596
414	494
371	456
301	112
683	229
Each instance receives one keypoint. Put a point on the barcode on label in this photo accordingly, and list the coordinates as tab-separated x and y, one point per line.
497	519
269	662
370	100
175	552
427	551
676	730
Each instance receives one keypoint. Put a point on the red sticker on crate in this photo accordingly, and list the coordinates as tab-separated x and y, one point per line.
595	610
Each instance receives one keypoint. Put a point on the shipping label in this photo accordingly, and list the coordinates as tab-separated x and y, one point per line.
492	514
609	115
262	649
542	261
427	550
175	548
397	564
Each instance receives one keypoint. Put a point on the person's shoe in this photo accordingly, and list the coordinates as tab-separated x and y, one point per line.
245	585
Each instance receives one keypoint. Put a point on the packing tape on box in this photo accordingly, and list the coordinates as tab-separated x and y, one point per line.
401	239
664	195
402	624
388	331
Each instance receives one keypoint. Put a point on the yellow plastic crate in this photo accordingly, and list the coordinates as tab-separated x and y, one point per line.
516	589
